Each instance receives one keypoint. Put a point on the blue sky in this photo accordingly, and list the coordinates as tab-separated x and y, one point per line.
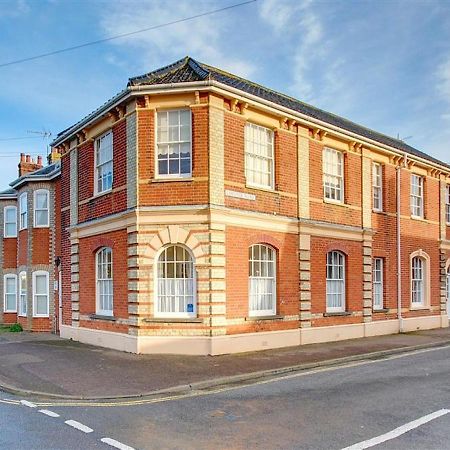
384	64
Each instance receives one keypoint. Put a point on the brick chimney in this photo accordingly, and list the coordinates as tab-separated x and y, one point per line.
53	156
28	165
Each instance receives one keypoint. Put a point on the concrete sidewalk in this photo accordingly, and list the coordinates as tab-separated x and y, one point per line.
51	366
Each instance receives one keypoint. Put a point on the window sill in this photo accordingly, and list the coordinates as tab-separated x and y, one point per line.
100	194
378	211
381	310
173	320
333	202
170	179
421	219
419	308
260	188
256	318
41	226
102	317
337	314
10	237
9	312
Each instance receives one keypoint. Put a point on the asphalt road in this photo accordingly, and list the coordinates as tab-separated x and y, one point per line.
396	403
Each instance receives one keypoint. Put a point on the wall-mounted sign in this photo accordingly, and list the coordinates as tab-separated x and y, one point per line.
242	195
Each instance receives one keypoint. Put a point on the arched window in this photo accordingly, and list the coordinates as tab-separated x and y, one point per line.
418	281
104	282
23	296
175	283
262	280
335	282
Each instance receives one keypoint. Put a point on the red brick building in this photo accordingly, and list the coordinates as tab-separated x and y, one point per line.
30	243
202	213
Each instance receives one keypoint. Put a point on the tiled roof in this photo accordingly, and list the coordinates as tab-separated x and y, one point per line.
8	193
45	173
189	70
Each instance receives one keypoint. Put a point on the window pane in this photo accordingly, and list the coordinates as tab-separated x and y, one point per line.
41	305
259	155
175	282
41	284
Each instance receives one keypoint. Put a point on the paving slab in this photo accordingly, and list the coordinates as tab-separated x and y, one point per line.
45	363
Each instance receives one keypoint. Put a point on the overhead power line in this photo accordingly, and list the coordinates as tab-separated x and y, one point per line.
20	138
131	33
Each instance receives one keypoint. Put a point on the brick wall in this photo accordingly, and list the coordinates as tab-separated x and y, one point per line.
88	247
238	240
163	192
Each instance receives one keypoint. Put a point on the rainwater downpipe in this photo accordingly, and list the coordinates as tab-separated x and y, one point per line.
399	245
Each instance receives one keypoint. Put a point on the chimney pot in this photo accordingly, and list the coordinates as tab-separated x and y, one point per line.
28	158
39	160
22	157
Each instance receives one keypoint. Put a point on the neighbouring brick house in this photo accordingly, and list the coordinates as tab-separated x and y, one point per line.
202	213
30	245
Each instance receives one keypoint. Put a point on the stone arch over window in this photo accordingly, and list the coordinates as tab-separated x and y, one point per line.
175	282
335	281
175	234
262	280
420	280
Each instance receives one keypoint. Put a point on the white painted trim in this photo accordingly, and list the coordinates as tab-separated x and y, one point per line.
159	314
245	342
169	177
23	195
47	275
96	141
5	277
5	223
35	194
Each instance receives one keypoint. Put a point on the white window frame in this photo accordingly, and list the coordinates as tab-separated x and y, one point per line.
417	200
333	171
23	212
377	187
23	295
5	293
334	279
168	175
255	281
104	281
447	204
378	284
97	166
157	301
36	209
5	214
253	158
423	282
39	273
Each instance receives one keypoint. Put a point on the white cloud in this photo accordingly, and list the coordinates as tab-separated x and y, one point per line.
443	77
15	9
201	38
299	19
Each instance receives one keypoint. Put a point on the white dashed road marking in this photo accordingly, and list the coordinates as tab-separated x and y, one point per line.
398	431
27	403
78	426
48	413
116	444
